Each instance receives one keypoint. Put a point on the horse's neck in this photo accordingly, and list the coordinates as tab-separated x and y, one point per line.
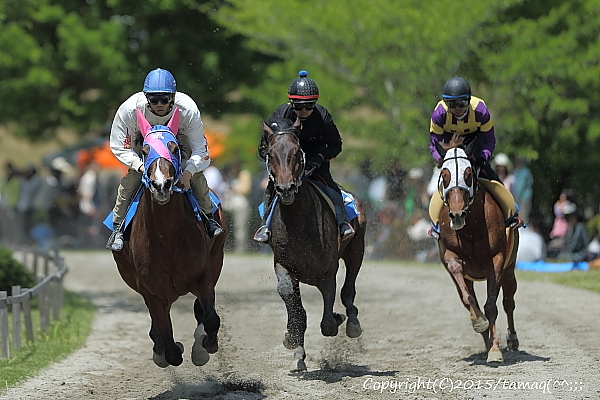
166	217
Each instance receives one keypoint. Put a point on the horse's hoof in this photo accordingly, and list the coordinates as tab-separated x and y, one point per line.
160	360
289	343
199	354
339	318
512	342
298	366
353	329
481	324
495	356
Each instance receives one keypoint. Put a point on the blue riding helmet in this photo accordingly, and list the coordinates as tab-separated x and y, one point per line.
160	81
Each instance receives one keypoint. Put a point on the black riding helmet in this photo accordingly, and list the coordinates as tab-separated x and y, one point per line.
456	88
303	89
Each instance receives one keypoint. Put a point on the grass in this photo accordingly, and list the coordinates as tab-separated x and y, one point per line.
588	280
60	339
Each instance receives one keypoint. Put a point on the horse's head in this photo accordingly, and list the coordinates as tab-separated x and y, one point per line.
285	158
457	183
162	157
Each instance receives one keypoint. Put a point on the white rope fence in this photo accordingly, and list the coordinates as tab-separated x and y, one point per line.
49	271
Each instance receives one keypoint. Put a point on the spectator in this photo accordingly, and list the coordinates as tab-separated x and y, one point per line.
522	187
215	181
559	226
89	203
10	185
30	185
576	239
239	205
503	167
531	245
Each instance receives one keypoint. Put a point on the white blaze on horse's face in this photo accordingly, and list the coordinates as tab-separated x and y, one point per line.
457	175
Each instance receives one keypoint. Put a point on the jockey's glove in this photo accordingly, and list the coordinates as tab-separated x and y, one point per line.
314	162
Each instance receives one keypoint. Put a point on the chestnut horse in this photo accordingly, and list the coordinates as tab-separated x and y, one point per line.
167	252
475	245
306	242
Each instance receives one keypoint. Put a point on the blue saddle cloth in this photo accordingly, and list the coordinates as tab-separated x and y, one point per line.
349	202
108	222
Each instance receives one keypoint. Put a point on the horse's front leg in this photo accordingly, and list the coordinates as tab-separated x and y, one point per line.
330	321
289	291
491	309
205	335
353	257
454	266
509	288
165	351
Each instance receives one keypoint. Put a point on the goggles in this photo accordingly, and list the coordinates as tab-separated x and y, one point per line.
154	99
303	106
457	103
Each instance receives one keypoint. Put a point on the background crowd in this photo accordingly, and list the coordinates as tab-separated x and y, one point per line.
63	203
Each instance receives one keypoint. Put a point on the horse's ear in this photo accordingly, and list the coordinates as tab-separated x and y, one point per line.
143	124
297	123
173	124
266	130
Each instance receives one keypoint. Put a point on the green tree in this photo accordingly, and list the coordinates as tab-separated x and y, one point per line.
379	67
541	64
71	63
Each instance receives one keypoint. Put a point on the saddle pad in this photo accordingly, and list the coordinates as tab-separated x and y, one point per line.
349	202
108	222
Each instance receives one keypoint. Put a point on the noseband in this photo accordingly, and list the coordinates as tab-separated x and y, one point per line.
457	162
301	175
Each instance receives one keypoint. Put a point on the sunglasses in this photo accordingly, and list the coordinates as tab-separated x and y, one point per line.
306	106
154	99
461	103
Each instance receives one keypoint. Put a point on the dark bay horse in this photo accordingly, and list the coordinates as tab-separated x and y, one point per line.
167	252
306	242
474	245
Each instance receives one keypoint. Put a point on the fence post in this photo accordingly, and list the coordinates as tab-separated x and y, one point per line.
44	309
4	325
16	317
27	316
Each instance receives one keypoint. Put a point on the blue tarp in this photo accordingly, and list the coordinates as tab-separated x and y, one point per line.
543	266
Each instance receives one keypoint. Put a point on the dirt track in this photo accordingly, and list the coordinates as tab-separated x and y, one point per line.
417	342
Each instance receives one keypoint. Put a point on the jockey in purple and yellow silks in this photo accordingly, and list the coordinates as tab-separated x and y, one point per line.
461	113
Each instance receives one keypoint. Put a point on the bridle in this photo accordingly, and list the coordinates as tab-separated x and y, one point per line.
298	179
456	162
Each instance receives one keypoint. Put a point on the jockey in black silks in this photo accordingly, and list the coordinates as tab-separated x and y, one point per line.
319	139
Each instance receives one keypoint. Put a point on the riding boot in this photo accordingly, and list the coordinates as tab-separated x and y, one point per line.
263	234
115	241
346	229
213	228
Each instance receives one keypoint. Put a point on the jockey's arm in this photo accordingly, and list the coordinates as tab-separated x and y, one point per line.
194	129
121	137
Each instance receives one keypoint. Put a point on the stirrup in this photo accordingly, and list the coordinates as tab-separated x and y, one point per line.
213	229
515	222
115	241
262	234
433	233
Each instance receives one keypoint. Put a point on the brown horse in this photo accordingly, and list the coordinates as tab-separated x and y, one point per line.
475	245
306	243
167	252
